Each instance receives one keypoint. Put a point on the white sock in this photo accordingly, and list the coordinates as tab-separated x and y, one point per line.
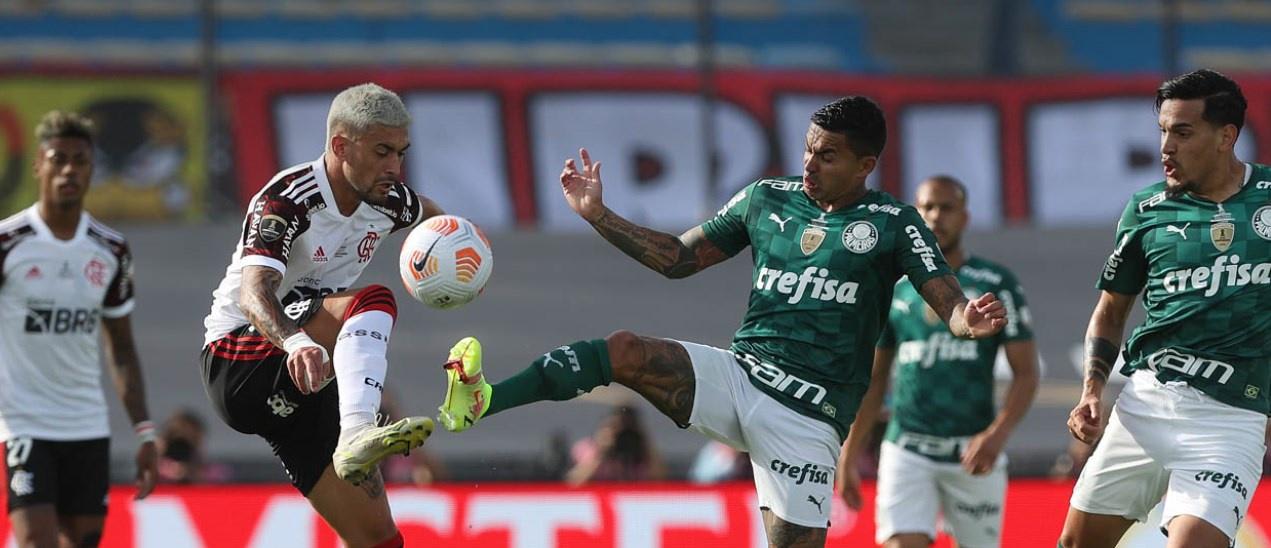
361	364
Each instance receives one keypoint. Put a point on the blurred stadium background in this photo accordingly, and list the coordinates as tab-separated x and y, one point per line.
1043	108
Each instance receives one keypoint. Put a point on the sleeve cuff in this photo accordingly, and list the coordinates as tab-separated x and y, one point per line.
261	260
119	311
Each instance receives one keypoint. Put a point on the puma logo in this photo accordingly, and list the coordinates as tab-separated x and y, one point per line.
813	500
1179	231
780	222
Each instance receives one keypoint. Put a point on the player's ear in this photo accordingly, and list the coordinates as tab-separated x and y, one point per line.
868	164
1229	135
339	145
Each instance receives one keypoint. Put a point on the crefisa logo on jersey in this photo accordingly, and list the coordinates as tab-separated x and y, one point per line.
860	237
1262	222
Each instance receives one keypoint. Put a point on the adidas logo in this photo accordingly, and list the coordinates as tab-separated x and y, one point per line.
319	256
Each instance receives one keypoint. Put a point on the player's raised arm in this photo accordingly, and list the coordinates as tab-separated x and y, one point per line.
666	254
978	318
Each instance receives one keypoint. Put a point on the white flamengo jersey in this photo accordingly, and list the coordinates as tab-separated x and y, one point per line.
294	227
53	295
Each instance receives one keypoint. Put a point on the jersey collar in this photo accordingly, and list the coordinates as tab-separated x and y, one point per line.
42	228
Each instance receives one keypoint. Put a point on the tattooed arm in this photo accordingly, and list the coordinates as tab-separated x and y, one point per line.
308	363
664	253
979	318
258	298
1103	341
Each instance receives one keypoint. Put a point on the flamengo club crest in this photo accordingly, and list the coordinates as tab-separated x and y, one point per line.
860	237
1262	222
813	235
1222	231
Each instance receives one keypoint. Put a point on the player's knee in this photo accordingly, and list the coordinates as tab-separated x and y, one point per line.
784	534
392	540
625	348
373	297
1067	539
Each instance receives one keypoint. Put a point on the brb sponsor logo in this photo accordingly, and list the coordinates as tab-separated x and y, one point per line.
978	511
1224	481
921	248
797	286
1192	366
59	321
808	473
1227	271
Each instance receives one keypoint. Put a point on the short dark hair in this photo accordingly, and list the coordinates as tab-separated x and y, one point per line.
1224	102
859	119
950	180
60	123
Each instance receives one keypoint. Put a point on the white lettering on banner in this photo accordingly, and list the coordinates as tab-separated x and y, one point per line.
460	168
1118	144
285	519
428	508
651	145
161	521
641	518
531	529
973	157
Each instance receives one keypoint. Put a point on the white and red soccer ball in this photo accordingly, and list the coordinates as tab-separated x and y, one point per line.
446	261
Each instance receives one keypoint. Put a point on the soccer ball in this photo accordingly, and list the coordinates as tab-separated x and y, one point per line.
445	261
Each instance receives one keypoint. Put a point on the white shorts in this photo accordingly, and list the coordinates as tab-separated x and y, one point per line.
1172	440
913	488
793	456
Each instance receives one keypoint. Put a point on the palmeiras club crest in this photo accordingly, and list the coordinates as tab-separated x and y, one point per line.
1262	222
1222	231
860	237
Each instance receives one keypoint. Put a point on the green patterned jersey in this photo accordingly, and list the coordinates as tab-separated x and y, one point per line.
820	290
943	385
1206	268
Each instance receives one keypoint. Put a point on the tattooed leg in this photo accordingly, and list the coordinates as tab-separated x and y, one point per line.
658	369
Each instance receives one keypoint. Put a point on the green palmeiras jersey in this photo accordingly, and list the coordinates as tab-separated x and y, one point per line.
943	385
1205	272
820	290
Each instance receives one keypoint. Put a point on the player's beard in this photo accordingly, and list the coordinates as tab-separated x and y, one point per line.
370	196
955	243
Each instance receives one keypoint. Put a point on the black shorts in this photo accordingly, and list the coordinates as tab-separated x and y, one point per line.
73	476
246	378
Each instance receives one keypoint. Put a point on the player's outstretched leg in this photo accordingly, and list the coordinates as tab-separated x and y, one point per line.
359	325
561	374
658	369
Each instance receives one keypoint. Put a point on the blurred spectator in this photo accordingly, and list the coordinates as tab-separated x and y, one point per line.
180	445
717	462
620	450
419	467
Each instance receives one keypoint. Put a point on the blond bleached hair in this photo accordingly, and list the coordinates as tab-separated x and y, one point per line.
358	108
61	123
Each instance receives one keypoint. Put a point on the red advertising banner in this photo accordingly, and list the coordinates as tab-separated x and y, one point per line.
550	515
490	144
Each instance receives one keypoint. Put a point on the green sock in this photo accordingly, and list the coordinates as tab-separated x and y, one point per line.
562	374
